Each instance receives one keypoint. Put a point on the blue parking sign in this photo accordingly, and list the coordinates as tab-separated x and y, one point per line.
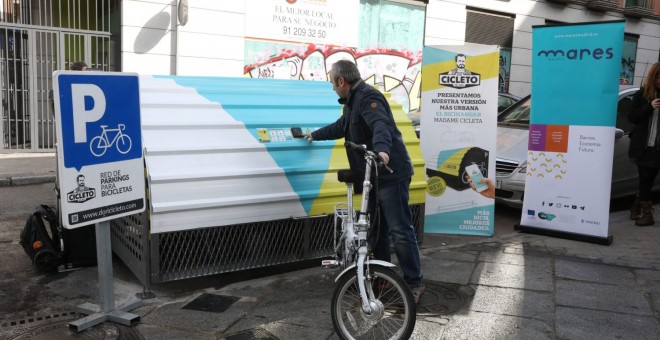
100	166
100	118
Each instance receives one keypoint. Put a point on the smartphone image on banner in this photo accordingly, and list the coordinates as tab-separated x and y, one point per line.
475	176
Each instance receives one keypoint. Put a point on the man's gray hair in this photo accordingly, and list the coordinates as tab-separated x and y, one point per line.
346	69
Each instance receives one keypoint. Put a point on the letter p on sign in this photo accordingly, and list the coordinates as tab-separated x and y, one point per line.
82	116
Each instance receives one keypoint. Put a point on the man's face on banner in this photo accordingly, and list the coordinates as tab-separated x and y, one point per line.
460	62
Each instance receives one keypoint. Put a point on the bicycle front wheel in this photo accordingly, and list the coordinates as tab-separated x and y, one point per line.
393	310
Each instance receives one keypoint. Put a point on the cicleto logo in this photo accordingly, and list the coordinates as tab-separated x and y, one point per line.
577	54
81	193
460	77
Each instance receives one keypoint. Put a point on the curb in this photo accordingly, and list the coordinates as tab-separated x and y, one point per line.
26	180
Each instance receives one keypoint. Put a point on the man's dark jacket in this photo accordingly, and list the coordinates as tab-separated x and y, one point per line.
367	119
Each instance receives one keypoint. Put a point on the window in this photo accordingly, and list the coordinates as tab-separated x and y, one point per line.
391	24
628	58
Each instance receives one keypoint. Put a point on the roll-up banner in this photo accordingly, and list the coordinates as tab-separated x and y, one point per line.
575	80
458	135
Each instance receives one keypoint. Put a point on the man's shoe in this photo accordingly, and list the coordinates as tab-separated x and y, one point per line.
417	292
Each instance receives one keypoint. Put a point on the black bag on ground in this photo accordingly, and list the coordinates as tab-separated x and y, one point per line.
43	249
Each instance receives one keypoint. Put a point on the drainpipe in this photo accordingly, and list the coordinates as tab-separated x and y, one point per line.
182	20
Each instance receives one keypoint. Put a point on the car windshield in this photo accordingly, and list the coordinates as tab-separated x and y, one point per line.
518	114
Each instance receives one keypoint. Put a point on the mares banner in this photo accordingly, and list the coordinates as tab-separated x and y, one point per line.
575	81
458	137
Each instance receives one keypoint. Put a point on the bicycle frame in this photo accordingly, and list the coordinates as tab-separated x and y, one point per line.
370	297
354	237
119	133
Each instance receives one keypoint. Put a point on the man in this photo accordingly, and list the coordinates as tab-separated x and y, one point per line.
81	184
460	66
367	119
79	66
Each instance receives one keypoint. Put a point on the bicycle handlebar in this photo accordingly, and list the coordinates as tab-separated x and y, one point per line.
361	149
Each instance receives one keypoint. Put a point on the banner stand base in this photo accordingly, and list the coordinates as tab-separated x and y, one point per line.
606	241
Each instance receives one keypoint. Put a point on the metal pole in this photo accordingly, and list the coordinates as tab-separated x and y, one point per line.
104	263
176	48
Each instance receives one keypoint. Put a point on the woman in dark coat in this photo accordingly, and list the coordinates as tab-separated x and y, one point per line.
645	143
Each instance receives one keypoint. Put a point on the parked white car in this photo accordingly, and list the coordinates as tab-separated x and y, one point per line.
511	161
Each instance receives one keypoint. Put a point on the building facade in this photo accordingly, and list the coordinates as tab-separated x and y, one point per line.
293	39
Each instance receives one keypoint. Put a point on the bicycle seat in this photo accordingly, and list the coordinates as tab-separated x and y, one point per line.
345	176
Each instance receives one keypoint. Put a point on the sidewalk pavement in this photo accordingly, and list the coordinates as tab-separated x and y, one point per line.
510	286
27	168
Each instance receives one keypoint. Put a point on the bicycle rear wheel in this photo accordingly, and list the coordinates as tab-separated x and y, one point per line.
393	316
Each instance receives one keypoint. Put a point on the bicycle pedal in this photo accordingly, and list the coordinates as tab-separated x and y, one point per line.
329	264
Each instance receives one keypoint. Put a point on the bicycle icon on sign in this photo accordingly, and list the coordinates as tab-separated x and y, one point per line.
100	144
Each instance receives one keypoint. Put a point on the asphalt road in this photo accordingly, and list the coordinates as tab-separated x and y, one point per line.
19	201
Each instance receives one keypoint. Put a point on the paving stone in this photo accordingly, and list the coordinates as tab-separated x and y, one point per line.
579	323
448	271
647	274
592	272
453	255
513	276
602	297
516	259
650	286
487	326
517	302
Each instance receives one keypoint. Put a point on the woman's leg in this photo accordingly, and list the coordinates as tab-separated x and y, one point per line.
646	178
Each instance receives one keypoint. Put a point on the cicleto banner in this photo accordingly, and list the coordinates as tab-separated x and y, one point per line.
458	137
575	80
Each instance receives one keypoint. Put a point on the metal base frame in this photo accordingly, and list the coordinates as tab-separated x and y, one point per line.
105	311
164	257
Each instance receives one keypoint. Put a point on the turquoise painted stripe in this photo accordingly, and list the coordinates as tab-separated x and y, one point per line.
279	104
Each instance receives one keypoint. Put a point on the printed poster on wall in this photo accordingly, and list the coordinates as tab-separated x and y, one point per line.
328	22
571	133
458	136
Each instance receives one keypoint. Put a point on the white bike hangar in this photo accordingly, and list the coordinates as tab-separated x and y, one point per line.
38	37
217	201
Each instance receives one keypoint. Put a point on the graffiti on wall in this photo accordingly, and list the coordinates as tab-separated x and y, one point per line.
627	71
393	72
505	71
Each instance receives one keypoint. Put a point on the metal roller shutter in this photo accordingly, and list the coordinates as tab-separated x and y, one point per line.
489	28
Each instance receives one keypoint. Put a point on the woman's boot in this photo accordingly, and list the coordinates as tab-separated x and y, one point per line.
635	209
647	214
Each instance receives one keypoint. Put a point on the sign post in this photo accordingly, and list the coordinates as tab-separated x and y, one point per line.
100	170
